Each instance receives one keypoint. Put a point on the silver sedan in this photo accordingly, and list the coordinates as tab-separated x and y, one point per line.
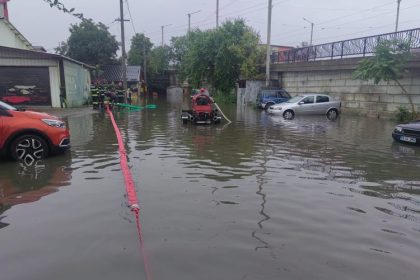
307	104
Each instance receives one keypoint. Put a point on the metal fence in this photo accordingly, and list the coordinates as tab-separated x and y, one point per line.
348	48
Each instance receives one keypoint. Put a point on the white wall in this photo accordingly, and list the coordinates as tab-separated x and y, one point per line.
9	39
55	86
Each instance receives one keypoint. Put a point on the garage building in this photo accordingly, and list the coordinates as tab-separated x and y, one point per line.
31	76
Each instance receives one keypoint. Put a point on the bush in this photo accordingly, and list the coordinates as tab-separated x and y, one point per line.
404	115
224	97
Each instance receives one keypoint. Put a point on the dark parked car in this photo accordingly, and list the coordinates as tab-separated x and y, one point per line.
407	133
268	97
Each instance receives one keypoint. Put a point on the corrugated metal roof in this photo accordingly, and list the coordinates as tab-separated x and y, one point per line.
114	73
6	52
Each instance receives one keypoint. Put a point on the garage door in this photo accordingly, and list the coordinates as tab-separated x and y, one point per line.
25	85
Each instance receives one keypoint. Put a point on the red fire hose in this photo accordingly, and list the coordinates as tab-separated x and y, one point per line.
131	192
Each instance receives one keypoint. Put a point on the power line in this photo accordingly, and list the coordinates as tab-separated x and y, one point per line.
240	12
358	20
131	18
341	17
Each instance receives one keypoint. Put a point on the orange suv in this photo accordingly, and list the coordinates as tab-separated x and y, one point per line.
30	136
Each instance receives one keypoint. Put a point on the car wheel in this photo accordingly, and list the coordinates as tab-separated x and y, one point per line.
28	148
289	115
268	106
332	114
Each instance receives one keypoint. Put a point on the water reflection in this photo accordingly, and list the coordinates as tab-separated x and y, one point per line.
264	216
22	183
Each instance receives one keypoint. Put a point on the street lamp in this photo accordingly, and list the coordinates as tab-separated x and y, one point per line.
312	30
398	15
189	19
163	26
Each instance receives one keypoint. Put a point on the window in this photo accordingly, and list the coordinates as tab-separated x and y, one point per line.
308	100
322	98
283	94
270	94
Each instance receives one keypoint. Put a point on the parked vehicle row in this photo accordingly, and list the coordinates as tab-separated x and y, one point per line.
279	102
30	136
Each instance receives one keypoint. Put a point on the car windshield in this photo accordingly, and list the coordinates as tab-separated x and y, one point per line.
294	99
6	106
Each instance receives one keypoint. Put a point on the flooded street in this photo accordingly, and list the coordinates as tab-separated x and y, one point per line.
261	198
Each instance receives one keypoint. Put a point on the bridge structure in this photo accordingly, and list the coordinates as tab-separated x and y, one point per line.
328	68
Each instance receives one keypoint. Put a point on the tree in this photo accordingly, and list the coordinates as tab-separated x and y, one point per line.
140	44
179	47
159	60
388	64
61	7
220	55
195	61
62	48
90	43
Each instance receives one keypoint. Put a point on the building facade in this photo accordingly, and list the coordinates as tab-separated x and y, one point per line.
31	76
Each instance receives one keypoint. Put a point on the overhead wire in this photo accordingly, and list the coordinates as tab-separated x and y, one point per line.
337	18
131	18
256	7
358	20
244	11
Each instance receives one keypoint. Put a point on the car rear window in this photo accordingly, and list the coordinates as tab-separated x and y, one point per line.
322	98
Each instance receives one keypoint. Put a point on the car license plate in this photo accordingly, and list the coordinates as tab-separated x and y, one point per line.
408	139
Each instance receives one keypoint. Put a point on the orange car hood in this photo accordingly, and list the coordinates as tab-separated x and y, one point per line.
35	115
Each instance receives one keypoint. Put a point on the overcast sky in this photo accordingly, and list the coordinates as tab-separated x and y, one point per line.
333	20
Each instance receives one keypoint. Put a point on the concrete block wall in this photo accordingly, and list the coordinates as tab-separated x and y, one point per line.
360	97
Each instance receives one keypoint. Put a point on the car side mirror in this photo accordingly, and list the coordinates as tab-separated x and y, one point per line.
301	102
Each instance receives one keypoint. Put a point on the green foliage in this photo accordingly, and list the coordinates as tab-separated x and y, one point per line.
140	44
61	7
159	60
179	47
91	43
224	97
218	56
387	64
404	115
62	48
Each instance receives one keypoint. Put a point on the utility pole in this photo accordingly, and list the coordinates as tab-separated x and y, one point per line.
124	56
144	63
217	13
189	19
398	15
312	30
267	62
163	26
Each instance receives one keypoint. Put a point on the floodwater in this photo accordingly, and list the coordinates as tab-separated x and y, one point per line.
261	198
